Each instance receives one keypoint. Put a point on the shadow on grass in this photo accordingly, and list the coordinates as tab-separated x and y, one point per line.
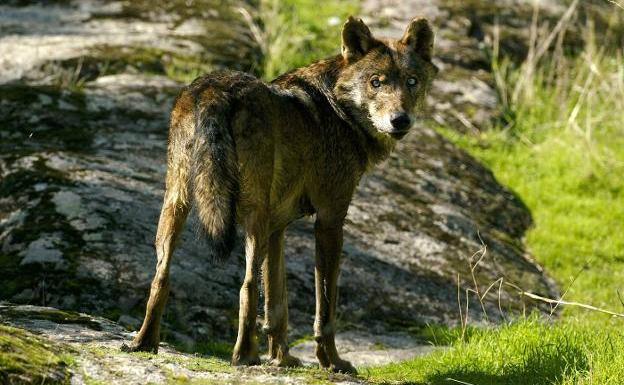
220	350
547	364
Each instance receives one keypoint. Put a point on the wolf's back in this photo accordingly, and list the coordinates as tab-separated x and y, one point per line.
214	167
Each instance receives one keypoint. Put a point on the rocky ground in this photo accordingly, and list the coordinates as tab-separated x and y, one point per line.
85	90
93	342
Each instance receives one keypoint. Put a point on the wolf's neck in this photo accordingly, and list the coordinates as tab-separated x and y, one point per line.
321	78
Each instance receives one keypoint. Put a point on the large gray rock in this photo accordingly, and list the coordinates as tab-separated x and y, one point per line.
81	183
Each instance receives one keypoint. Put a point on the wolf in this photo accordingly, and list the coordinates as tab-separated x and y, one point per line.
261	155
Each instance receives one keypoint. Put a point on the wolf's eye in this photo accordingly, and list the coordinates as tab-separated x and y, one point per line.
375	82
411	82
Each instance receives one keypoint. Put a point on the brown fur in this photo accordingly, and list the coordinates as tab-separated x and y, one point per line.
262	155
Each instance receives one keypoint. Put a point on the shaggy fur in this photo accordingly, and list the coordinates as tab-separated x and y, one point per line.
262	155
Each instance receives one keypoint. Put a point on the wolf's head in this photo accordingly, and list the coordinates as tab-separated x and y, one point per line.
384	82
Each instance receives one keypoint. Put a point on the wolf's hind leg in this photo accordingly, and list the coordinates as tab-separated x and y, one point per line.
173	214
328	249
276	303
170	224
246	348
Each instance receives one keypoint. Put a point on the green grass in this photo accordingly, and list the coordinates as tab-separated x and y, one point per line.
222	350
299	32
577	207
528	351
560	148
563	154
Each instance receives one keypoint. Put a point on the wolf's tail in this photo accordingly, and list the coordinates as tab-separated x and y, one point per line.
214	175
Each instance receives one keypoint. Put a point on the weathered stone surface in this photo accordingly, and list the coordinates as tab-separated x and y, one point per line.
363	349
81	179
93	342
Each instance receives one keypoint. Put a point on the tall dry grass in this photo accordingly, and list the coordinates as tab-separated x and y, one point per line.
552	89
294	33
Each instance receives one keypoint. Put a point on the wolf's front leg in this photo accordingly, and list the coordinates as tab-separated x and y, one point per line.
246	348
328	249
276	303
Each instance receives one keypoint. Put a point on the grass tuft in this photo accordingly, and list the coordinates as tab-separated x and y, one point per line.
528	351
295	33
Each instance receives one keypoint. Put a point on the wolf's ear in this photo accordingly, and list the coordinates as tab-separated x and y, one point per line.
356	39
419	37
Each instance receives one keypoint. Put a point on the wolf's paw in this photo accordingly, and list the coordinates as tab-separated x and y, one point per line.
138	346
287	361
342	366
245	359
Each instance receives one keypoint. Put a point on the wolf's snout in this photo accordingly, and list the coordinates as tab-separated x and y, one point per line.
400	121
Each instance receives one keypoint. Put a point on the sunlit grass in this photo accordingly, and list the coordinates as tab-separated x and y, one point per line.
299	32
560	148
526	352
563	154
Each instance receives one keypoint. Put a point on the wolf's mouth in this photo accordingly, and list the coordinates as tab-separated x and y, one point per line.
398	134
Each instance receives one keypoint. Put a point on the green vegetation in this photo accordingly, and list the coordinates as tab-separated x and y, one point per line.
215	350
298	32
525	352
304	339
27	359
560	147
569	175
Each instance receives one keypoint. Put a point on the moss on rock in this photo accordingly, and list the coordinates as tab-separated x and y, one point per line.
53	315
28	359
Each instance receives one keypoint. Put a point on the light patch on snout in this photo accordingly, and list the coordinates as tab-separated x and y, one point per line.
382	123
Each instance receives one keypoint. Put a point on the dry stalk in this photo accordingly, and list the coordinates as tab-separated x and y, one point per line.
458	381
537	51
481	252
497	70
464	309
465	318
500	287
459	305
464	120
256	31
552	311
584	95
558	302
620	297
616	4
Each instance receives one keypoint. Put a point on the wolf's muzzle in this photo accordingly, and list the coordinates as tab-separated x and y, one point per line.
400	121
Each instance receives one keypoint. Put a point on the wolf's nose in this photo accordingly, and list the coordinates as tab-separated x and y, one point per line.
400	121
